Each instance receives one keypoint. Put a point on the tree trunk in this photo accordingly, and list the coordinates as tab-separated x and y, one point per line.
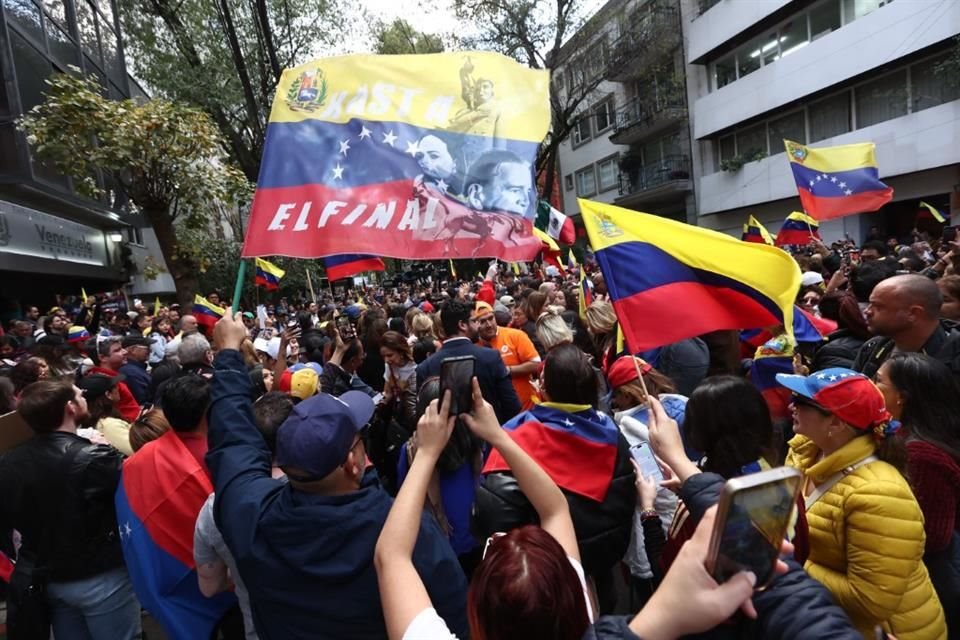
550	166
184	274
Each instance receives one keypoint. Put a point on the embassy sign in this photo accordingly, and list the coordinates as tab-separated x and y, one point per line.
28	232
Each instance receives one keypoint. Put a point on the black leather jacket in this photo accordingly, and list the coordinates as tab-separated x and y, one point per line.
73	507
603	529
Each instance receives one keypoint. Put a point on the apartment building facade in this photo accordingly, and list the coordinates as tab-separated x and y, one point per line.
826	72
630	144
52	239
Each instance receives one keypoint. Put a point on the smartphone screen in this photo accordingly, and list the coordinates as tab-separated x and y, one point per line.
754	516
345	327
648	463
456	375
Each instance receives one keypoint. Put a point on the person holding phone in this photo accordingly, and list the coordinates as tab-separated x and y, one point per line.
584	452
867	538
530	584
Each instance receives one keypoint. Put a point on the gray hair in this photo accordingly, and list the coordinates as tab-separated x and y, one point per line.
193	349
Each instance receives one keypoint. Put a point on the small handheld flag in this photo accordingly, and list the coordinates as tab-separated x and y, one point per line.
939	217
453	269
83	295
753	231
350	264
156	306
798	228
723	283
837	181
268	275
206	312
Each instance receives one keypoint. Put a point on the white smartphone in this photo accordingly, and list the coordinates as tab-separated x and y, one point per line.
648	463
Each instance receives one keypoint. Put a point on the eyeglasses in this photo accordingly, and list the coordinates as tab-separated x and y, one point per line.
803	401
493	537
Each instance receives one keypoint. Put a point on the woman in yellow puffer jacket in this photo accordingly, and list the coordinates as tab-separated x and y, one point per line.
866	528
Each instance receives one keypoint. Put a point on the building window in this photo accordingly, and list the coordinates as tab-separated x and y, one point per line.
32	70
728	147
607	174
789	127
829	117
25	15
603	113
882	99
790	36
581	131
824	18
568	182
928	88
135	236
586	182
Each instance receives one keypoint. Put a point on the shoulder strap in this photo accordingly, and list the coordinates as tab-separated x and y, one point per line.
835	478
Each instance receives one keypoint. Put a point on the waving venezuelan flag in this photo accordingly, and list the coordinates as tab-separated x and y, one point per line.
837	181
417	156
351	264
268	275
753	231
669	281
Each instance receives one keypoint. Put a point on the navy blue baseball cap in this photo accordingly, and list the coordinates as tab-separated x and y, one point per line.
317	435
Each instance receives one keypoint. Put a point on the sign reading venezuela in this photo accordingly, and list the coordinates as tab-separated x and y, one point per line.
414	156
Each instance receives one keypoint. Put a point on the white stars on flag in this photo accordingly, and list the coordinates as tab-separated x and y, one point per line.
389	138
412	148
365	133
442	186
826	185
344	146
338	172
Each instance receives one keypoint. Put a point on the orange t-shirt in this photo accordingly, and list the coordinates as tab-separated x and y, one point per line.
515	347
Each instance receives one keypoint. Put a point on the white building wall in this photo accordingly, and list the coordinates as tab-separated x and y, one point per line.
583	156
876	39
724	21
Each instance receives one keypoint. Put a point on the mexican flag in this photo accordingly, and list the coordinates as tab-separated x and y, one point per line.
554	223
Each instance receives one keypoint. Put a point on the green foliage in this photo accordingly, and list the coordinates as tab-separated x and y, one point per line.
400	37
226	57
949	69
166	157
736	163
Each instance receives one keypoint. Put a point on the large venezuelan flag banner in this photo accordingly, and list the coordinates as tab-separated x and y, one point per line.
411	156
669	281
837	181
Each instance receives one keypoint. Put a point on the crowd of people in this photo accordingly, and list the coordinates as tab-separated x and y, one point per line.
297	472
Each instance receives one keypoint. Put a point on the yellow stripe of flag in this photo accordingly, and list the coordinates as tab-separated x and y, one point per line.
352	87
846	157
270	268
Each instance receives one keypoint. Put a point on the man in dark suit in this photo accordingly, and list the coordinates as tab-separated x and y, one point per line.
460	329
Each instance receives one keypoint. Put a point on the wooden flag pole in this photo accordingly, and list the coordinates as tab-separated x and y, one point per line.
643	385
238	288
313	296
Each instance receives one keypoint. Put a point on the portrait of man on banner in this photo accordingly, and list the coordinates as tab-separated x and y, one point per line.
427	156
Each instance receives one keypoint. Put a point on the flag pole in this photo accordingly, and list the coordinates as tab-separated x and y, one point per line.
238	288
313	296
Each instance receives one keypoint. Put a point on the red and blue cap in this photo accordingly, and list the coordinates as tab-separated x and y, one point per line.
849	395
317	435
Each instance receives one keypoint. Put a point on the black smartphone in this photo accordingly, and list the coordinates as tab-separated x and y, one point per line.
346	329
949	234
456	375
753	517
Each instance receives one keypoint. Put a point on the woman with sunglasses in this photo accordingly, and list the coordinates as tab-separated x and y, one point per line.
866	528
530	583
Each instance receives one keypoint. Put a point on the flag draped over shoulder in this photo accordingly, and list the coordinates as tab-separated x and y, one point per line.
268	275
560	441
161	491
753	231
669	281
407	156
798	228
837	181
206	312
346	265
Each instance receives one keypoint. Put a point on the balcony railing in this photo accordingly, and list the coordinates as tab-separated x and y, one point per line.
640	118
642	178
653	32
